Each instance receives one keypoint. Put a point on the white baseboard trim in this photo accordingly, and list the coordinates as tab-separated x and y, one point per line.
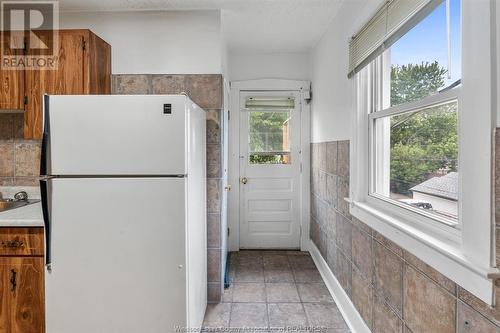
351	315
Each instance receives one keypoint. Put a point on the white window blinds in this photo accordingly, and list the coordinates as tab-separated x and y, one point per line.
269	103
393	20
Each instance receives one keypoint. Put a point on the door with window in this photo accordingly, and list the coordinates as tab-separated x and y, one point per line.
270	165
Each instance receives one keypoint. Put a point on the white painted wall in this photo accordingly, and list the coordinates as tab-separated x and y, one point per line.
251	66
173	42
333	99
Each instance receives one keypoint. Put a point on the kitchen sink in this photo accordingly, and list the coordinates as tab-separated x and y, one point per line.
7	204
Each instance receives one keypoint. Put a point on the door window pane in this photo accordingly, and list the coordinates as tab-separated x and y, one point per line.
269	137
416	159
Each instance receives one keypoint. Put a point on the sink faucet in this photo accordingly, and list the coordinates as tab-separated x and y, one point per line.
21	196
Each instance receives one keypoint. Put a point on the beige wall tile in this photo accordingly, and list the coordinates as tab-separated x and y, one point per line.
214	292
130	84
331	224
343	158
331	158
213	195
322	156
489	312
384	319
344	236
344	272
342	205
362	226
362	297
472	321
168	84
362	253
437	277
26	181
428	308
388	269
213	265
322	185
314	156
213	161
6	181
213	230
6	159
388	243
205	90
331	256
27	159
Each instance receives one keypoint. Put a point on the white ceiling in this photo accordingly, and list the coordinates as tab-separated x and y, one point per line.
247	25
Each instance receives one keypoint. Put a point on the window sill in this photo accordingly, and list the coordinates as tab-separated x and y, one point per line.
445	256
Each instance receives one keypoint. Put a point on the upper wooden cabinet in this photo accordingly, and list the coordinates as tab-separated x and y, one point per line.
83	67
12	81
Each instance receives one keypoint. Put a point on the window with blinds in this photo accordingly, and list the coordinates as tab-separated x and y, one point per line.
412	50
393	20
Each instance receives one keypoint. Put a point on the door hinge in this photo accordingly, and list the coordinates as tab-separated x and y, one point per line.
228	115
228	232
84	45
25	100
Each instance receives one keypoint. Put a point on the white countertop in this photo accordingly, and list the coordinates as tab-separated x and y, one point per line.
27	216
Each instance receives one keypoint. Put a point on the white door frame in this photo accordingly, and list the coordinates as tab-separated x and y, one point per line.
303	87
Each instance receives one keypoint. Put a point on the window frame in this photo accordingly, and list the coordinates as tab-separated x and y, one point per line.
465	253
380	71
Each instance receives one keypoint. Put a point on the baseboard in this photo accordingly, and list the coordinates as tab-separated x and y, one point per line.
351	315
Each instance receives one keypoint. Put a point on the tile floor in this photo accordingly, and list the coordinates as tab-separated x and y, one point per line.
274	291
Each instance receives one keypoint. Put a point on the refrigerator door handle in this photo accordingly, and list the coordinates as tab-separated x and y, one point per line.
45	200
45	151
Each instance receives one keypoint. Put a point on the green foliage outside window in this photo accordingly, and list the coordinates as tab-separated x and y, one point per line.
423	143
268	139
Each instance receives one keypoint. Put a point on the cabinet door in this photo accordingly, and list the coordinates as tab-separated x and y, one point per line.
67	79
26	289
12	81
4	295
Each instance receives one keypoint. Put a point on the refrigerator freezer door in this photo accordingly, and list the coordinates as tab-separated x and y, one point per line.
116	135
118	256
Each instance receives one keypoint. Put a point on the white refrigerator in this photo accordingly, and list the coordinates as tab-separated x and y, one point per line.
124	202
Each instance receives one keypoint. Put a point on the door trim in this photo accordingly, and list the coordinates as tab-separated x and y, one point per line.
303	88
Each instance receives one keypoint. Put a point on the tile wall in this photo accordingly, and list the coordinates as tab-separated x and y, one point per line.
206	91
19	158
392	289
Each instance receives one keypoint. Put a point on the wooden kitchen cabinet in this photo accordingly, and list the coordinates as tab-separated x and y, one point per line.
22	308
12	81
83	67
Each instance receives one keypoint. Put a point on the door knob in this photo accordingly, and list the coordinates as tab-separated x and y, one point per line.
244	180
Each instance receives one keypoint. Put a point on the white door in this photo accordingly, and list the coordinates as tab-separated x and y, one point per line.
270	170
